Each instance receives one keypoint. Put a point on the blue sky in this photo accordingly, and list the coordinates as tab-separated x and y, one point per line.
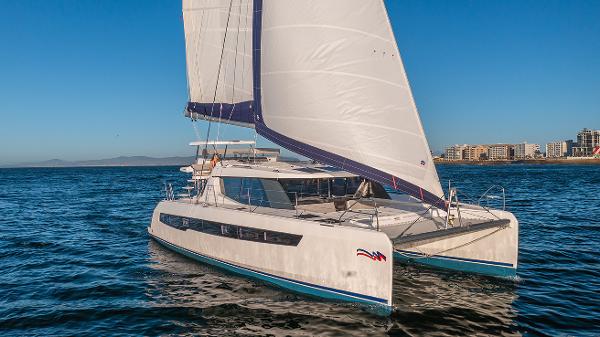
84	79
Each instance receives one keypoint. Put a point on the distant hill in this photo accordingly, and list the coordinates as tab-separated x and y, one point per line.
121	161
118	161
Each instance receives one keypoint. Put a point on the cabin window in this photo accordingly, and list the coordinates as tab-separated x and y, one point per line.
352	185
230	231
321	190
208	227
256	192
344	186
306	189
251	234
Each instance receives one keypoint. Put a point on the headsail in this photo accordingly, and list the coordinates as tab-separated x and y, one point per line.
218	39
329	84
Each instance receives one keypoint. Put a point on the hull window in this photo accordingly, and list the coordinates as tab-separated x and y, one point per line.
230	231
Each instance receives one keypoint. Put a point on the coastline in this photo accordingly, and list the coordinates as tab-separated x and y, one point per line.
436	162
591	161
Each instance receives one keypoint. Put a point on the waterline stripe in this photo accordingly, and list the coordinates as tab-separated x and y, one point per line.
456	258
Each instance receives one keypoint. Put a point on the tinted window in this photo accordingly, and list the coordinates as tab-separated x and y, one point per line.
230	231
256	192
338	187
352	185
305	188
324	188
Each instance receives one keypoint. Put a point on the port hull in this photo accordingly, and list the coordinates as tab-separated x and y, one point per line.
325	263
295	286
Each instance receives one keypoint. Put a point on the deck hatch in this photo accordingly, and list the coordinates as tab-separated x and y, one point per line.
230	231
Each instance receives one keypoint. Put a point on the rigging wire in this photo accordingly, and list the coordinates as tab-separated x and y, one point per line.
196	67
252	86
217	84
225	78
236	54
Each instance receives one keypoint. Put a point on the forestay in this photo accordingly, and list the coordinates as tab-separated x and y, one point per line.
218	39
329	84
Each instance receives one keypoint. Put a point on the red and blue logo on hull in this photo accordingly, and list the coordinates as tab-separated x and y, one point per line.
375	256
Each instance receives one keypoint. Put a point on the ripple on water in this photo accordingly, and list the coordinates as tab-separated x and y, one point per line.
76	259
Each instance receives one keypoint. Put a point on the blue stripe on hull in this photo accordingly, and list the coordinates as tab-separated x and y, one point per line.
490	268
380	304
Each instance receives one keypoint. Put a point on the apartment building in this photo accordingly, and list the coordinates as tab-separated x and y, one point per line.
587	140
525	150
559	149
475	152
455	152
499	152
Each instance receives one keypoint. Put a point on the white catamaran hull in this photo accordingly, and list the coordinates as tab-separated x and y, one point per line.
491	251
328	261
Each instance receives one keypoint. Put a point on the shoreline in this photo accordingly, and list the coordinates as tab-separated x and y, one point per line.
591	161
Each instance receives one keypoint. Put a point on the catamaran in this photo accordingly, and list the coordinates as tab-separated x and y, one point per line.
323	79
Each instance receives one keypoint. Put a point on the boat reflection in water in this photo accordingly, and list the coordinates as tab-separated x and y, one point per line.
202	299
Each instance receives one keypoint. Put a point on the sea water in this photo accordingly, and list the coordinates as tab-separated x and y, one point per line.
75	259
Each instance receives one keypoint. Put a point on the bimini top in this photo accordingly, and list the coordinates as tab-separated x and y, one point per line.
278	170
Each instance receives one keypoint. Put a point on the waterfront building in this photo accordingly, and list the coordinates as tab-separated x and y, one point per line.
525	150
559	149
455	152
581	151
476	152
500	152
587	140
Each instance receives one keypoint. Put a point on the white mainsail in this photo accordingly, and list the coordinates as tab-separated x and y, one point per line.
218	38
332	78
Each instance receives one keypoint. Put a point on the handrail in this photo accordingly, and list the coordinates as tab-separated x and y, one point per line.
347	209
268	198
484	195
436	235
356	201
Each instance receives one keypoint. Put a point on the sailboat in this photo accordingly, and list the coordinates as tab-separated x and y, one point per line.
323	79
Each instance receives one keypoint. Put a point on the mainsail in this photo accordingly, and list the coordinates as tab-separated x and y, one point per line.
329	84
218	41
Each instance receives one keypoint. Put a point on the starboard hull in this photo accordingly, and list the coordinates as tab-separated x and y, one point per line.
488	268
491	251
